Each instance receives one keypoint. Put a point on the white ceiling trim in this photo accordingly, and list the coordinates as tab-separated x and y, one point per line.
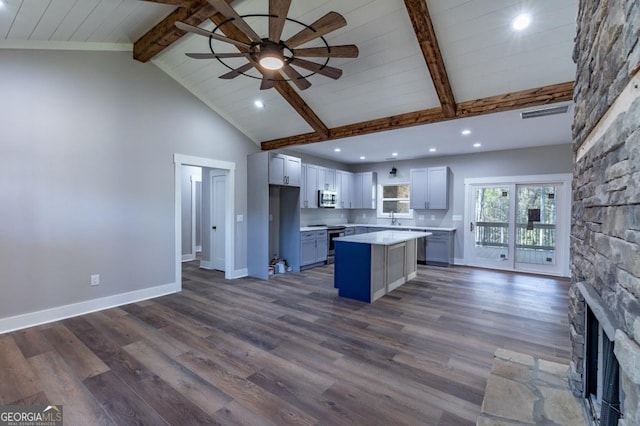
65	45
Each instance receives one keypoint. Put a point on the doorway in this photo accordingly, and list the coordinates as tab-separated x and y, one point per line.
519	223
222	168
218	214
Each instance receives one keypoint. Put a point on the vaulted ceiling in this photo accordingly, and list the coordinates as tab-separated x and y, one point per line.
420	61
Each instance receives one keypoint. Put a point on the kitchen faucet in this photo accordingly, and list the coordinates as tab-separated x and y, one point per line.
393	219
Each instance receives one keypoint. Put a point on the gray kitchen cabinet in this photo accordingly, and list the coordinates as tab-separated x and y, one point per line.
439	248
313	248
309	186
326	179
278	202
343	187
284	170
349	231
363	194
429	188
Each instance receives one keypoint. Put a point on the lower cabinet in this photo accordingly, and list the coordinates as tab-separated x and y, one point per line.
439	250
313	248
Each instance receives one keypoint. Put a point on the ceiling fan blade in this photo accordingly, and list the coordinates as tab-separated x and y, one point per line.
325	70
190	28
267	81
296	77
346	51
278	9
236	72
329	22
216	55
222	7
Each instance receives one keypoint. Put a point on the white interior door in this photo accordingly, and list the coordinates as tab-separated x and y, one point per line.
518	225
218	220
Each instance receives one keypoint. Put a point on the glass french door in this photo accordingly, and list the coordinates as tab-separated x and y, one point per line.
515	226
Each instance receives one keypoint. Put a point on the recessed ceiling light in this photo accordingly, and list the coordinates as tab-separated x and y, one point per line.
362	157
337	149
432	150
395	154
466	132
521	22
477	145
258	103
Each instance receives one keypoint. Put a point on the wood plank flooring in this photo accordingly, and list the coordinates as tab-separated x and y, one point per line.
289	351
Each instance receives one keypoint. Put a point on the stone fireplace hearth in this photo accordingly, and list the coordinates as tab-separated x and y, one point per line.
605	234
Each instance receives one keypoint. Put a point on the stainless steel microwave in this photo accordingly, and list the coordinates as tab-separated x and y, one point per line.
327	199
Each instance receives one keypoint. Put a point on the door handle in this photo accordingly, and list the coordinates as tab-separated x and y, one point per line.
471	226
214	227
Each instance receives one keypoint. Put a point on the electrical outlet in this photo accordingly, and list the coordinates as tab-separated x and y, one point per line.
240	218
364	215
433	217
421	217
95	279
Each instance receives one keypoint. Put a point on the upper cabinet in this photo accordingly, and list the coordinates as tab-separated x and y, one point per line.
429	188
363	194
344	182
284	170
326	179
309	186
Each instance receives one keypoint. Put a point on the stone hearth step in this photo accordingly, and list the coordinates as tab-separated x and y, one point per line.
523	390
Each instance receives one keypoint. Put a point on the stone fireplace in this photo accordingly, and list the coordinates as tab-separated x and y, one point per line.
604	309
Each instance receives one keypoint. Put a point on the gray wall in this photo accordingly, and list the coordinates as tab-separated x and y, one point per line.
87	176
530	161
187	215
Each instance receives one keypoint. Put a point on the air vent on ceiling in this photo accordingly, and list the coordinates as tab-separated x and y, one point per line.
541	112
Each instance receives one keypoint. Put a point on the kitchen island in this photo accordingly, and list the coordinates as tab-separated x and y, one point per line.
368	266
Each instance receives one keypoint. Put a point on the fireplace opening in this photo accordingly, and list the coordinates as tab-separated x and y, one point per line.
603	391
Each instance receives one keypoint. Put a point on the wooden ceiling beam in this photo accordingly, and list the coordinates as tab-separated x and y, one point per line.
506	102
426	34
165	32
522	99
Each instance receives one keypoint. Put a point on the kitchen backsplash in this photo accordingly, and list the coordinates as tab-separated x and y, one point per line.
338	217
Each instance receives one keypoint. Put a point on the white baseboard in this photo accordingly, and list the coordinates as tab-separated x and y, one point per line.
239	273
459	261
205	264
198	248
188	257
67	311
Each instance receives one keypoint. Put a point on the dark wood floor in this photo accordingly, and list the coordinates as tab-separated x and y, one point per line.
288	351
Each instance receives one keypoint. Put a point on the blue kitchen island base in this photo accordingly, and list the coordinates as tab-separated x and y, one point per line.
368	266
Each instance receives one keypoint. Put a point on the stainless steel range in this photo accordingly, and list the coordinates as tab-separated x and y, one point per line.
333	232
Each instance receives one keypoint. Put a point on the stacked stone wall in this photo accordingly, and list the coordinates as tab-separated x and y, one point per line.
605	234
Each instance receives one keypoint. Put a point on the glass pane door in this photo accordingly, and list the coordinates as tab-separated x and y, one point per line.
490	227
536	227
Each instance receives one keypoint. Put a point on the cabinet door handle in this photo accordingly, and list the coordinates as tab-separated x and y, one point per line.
214	227
471	226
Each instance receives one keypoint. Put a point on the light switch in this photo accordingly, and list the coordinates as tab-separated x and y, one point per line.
239	218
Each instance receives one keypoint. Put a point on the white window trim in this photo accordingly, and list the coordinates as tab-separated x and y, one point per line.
380	214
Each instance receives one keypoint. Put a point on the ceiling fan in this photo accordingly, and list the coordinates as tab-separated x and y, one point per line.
271	55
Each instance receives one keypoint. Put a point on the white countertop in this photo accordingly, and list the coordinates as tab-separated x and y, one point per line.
400	227
371	225
384	238
313	228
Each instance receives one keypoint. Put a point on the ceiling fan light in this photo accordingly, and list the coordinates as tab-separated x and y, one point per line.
271	62
271	57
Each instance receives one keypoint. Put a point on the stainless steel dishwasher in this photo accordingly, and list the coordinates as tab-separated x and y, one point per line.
422	248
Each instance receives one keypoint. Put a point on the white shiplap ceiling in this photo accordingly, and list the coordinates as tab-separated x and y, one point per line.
482	54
